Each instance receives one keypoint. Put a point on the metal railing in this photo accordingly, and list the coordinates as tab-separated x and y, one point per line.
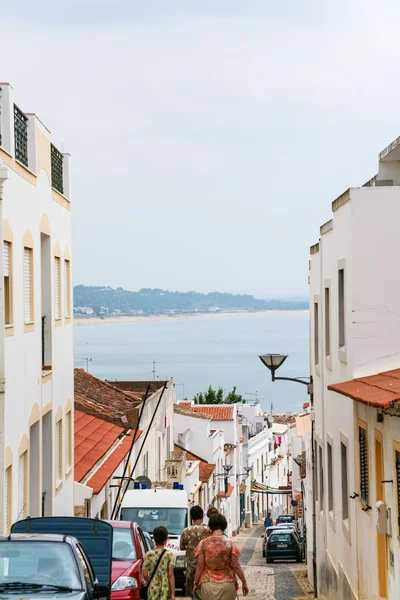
57	170
21	136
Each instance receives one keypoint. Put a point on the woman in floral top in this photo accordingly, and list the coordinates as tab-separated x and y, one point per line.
218	564
162	586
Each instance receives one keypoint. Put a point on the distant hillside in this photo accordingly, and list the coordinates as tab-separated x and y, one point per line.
105	300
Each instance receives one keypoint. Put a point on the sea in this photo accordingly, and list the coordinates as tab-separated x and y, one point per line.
198	352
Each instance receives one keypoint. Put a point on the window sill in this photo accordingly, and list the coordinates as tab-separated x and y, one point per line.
59	485
328	362
47	376
67	320
346	530
29	327
63	200
317	370
58	322
8	330
69	473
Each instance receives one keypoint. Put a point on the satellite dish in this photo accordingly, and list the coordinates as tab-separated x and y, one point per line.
143	480
270	419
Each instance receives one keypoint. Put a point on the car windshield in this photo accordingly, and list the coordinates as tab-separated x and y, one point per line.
123	546
281	537
286	518
40	563
174	519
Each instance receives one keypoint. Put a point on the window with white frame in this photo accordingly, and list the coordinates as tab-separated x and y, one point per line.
341	293
67	288
8	319
58	453
8	499
28	285
330	475
345	487
68	426
327	322
57	287
22	485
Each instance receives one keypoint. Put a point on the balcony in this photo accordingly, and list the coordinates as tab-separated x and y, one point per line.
21	136
57	170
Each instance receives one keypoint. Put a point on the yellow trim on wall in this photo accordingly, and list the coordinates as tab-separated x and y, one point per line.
17	167
68	405
43	153
47	408
60	199
57	250
28	239
9	331
59	414
8	235
23	444
29	327
46	376
8	457
45	225
34	417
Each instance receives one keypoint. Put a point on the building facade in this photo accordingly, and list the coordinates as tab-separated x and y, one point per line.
355	357
37	365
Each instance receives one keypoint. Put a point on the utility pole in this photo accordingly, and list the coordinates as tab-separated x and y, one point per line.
88	360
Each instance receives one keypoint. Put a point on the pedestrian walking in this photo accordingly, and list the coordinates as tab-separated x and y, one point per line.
190	539
159	568
268	521
218	564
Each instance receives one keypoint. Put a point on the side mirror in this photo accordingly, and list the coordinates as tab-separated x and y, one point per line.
100	591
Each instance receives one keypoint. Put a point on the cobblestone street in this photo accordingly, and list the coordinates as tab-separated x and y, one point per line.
279	581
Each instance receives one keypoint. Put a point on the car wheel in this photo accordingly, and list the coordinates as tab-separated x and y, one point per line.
299	559
263	552
269	560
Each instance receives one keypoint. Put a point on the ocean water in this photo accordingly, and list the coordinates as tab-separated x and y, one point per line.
220	351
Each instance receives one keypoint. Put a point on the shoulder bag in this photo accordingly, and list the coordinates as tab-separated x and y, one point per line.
144	590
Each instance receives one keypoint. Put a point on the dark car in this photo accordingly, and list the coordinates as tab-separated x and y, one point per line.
285	519
34	566
283	546
268	532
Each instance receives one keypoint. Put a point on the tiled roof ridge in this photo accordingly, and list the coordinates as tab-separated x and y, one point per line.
183	410
107	384
370	381
189	452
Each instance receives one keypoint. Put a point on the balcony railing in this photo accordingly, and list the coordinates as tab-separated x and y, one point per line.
21	136
57	170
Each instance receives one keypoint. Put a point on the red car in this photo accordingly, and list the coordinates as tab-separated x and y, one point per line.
130	545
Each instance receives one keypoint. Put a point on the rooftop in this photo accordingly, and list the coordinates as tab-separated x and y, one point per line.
101	399
205	469
380	391
93	439
227	494
137	389
215	412
183	410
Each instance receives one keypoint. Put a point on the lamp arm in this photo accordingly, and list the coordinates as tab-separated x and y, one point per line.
290	379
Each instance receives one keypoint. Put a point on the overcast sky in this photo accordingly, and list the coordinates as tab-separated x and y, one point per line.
208	137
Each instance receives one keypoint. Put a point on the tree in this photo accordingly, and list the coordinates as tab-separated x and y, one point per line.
234	398
212	396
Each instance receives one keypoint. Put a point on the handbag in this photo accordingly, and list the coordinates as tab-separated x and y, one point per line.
144	590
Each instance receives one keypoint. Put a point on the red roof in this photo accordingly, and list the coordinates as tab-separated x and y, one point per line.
380	391
205	469
228	494
217	412
93	438
306	405
99	479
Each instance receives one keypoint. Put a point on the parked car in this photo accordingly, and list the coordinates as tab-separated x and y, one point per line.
283	546
268	532
285	519
129	548
84	546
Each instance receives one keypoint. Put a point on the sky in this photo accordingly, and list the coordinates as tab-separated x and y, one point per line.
208	138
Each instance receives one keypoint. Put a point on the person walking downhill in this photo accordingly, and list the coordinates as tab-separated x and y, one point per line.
190	539
218	564
268	521
162	586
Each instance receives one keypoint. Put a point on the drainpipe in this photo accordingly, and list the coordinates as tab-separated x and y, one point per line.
3	177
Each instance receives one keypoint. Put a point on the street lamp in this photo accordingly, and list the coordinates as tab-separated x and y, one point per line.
273	362
245	475
227	468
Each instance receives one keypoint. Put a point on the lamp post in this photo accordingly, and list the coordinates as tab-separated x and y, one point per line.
273	362
227	468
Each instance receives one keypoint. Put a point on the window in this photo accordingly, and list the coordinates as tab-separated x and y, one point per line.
321	479
7	500
57	287
345	489
7	283
327	322
57	170
58	450
398	486
330	476
342	336
28	285
364	479
21	136
67	288
316	335
146	464
69	438
22	485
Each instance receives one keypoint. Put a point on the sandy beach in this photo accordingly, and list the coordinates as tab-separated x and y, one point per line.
115	320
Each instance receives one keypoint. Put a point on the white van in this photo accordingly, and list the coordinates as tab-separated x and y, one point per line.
150	508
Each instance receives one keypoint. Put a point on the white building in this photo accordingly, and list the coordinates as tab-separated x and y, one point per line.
36	348
355	330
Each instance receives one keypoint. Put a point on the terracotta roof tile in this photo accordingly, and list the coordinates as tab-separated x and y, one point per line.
205	469
242	488
228	494
216	412
99	479
379	391
183	410
101	399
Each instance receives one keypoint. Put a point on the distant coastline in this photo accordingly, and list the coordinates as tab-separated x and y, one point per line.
85	321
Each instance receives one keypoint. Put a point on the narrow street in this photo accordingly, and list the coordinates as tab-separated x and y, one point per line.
279	581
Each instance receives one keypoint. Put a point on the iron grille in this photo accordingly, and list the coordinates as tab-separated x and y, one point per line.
364	483
57	170
398	487
21	136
